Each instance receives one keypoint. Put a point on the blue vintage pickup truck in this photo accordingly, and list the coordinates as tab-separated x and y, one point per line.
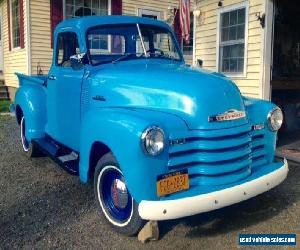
159	139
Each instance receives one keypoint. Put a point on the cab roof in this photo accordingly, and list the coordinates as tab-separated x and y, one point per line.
84	23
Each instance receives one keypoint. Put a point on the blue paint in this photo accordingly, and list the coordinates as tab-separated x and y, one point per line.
136	94
111	203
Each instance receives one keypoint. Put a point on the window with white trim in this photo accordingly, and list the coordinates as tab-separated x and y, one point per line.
79	8
232	30
15	23
149	14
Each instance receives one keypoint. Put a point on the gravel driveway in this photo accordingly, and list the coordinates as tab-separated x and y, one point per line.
41	206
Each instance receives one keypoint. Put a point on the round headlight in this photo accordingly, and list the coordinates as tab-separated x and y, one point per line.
275	119
153	140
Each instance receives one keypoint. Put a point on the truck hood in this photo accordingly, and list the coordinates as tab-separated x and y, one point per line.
190	93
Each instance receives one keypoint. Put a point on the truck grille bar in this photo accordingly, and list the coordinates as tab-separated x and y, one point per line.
217	157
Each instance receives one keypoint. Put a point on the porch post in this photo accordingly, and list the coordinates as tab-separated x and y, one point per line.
267	51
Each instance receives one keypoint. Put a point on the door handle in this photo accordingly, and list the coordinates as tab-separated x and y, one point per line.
52	77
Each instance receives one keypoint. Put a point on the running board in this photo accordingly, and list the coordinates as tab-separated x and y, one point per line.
64	157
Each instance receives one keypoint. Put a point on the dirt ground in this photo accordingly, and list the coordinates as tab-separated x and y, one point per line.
41	206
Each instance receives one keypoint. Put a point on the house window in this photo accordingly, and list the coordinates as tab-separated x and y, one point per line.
188	48
15	23
79	8
153	15
233	25
149	14
100	43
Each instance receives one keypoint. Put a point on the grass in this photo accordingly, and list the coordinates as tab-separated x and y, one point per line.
4	106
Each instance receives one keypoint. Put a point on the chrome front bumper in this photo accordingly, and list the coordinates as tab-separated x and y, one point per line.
173	209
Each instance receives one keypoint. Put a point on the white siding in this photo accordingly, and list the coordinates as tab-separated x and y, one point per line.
206	42
16	59
130	7
41	52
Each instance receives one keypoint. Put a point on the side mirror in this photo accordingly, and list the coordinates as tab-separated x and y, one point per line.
200	63
77	61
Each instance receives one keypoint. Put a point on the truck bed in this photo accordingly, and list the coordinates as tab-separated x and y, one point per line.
33	79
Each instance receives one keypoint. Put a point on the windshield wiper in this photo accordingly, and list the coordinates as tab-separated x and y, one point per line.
142	39
125	56
167	57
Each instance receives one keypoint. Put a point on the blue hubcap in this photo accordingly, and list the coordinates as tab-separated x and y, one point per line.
115	196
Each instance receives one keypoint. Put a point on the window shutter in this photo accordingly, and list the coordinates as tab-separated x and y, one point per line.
56	15
176	27
8	21
22	40
116	7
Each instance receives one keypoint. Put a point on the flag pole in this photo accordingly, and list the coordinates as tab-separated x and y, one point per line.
194	40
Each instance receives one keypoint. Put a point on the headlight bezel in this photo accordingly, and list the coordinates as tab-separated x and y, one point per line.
144	138
269	119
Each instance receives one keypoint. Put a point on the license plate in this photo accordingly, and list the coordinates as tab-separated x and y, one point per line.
172	182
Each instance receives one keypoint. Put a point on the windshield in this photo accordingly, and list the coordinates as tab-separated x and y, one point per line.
113	43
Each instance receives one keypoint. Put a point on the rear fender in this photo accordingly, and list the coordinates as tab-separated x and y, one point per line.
31	98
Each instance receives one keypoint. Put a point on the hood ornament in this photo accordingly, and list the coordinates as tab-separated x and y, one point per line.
229	115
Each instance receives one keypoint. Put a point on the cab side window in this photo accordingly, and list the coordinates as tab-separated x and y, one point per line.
67	45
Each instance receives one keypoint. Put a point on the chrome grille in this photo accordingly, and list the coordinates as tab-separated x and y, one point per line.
216	157
258	148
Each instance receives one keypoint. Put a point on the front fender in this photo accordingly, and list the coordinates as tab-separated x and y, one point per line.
31	99
257	112
121	129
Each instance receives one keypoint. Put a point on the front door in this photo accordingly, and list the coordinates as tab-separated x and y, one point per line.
1	43
63	93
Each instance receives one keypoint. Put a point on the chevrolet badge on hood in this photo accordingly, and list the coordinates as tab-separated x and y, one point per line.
227	116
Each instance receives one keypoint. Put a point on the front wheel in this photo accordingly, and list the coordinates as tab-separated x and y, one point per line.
30	149
117	206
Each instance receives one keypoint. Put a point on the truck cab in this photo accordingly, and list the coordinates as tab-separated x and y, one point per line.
158	139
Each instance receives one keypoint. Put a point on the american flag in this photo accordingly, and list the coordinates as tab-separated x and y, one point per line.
184	8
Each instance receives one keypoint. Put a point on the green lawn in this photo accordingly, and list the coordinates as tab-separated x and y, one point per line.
4	106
